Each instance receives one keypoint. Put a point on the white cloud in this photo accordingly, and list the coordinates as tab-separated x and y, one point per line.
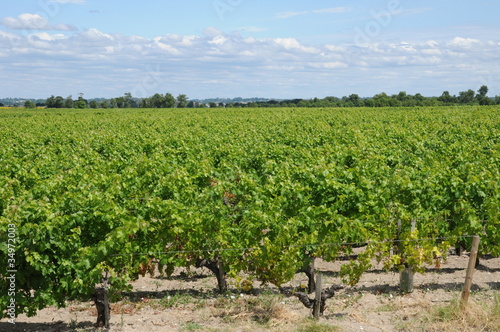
34	22
293	44
8	36
431	51
335	48
111	64
460	42
328	65
212	32
219	40
95	36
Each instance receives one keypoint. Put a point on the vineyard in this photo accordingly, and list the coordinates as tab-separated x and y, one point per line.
253	192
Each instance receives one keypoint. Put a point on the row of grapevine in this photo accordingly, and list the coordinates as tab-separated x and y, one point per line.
119	191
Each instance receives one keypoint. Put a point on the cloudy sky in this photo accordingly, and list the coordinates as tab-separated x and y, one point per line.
247	48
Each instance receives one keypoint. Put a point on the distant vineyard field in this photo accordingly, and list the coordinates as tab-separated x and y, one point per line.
259	191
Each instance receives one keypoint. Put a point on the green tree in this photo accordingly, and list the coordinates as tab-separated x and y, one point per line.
402	96
93	104
104	104
466	97
169	100
483	91
446	98
55	102
182	101
481	96
29	104
69	103
128	101
355	100
59	102
381	100
81	102
157	101
120	102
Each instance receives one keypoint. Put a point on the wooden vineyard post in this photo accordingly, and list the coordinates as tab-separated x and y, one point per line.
317	298
102	304
470	272
406	275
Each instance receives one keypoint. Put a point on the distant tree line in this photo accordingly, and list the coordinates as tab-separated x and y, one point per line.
402	99
125	101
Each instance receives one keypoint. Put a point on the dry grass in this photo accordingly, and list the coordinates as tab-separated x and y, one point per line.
478	316
264	310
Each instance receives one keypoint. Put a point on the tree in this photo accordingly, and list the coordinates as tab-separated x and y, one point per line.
483	91
81	102
446	98
481	96
68	103
59	103
355	100
104	104
120	102
55	102
402	96
128	100
169	100
213	104
93	104
466	97
113	103
181	101
381	100
157	101
29	104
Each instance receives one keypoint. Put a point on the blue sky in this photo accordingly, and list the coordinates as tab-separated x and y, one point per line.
247	48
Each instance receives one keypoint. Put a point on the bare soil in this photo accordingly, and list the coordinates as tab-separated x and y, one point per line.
187	302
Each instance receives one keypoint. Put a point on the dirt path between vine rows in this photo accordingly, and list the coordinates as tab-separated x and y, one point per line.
186	302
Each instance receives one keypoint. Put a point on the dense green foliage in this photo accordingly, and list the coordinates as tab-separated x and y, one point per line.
402	99
89	190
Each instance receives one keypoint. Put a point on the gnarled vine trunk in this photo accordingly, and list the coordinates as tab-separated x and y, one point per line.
217	268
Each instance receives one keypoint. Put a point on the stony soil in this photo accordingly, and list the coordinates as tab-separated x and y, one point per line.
187	302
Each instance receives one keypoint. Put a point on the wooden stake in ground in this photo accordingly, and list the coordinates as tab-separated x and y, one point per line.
470	272
317	298
406	275
102	305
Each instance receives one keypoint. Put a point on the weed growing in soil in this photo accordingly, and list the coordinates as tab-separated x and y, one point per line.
314	326
476	317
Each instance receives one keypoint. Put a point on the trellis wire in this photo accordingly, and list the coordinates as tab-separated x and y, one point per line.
291	246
